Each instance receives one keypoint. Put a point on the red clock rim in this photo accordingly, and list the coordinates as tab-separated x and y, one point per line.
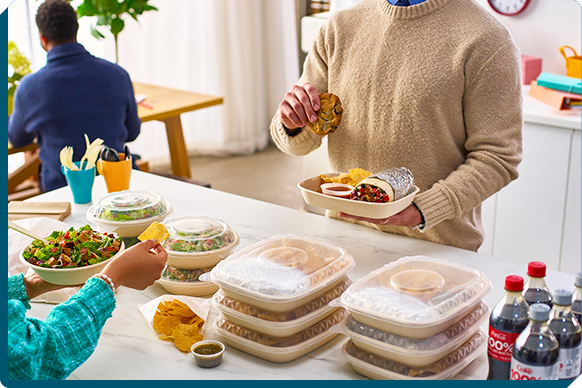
509	14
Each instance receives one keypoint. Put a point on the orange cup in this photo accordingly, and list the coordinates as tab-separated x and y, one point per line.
116	174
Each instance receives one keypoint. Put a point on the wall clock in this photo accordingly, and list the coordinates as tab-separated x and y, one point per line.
508	7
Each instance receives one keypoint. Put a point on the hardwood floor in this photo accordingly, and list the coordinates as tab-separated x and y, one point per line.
269	175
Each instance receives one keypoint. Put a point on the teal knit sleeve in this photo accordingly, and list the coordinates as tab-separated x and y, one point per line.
17	289
55	347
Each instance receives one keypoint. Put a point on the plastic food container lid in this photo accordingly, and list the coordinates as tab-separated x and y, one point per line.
280	343
129	206
282	268
181	275
413	347
416	292
190	235
382	368
226	303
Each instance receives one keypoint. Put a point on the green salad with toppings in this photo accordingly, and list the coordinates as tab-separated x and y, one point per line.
73	248
201	244
132	215
183	275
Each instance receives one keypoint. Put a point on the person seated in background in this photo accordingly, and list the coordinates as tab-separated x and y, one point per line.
55	347
74	94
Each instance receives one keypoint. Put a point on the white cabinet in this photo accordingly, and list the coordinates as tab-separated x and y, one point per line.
529	213
570	256
538	216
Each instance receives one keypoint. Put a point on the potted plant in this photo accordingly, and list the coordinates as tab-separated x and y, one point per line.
110	15
18	67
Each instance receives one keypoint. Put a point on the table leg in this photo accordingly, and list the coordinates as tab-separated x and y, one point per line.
178	152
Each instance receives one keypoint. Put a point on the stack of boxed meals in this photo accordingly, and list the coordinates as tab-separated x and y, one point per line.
195	245
274	296
415	318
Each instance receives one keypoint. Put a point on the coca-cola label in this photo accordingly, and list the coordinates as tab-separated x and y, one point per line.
569	363
521	371
500	344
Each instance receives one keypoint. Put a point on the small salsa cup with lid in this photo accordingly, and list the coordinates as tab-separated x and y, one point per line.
198	241
128	213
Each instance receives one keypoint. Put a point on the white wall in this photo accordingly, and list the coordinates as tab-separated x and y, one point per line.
542	28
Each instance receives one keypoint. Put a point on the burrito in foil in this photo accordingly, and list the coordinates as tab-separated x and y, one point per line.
385	186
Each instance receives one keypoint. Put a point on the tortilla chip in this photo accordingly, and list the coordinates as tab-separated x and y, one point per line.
355	176
177	322
155	231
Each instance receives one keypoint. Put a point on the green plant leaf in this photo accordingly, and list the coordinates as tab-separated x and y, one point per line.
96	33
117	26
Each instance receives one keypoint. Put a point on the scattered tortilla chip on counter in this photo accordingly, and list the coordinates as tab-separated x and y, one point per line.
175	321
352	178
155	231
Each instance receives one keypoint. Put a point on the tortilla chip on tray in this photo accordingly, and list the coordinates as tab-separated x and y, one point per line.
177	322
352	178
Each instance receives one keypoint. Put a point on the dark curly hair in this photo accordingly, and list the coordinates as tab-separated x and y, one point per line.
57	21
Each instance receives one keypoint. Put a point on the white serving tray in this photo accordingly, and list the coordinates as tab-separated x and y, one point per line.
310	188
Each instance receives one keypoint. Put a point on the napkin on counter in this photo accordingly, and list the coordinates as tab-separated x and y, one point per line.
41	226
18	210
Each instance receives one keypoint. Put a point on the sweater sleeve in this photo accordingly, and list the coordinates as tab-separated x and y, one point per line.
132	121
55	347
315	72
492	108
17	122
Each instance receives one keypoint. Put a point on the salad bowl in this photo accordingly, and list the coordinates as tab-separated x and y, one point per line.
69	275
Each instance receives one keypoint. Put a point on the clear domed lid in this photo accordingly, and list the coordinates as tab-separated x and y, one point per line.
419	291
282	268
129	205
195	234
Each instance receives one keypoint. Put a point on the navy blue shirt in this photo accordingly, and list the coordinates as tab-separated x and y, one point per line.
75	93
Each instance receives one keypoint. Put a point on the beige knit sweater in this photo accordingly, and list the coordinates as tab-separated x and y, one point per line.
433	87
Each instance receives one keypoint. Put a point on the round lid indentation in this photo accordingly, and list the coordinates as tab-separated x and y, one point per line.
417	280
287	256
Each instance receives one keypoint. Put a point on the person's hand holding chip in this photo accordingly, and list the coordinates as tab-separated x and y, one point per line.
299	106
139	266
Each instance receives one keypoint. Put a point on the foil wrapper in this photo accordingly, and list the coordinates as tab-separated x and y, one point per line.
400	178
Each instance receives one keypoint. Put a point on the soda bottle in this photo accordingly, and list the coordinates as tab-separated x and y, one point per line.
567	331
536	290
536	351
577	302
507	321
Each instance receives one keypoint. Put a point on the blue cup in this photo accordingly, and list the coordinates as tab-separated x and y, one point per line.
80	182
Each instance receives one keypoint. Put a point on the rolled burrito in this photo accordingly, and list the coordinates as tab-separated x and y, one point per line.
385	186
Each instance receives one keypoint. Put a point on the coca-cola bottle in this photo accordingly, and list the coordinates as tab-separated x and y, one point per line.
566	328
577	298
536	290
536	350
507	321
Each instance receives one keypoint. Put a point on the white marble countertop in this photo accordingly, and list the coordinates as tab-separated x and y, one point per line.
128	348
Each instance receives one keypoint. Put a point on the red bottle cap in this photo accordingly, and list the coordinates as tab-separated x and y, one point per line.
514	283
536	269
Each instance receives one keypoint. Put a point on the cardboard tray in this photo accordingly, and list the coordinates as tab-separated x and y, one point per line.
310	188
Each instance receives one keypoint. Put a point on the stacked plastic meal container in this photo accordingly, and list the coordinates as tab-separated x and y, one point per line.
415	318
274	296
196	244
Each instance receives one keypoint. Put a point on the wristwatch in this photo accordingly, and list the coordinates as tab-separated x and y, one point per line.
419	227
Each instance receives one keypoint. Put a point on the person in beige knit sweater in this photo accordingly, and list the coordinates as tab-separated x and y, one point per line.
434	87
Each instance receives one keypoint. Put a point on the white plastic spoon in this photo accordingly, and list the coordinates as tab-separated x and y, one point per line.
26	232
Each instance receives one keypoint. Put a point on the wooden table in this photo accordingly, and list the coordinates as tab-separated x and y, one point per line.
167	105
